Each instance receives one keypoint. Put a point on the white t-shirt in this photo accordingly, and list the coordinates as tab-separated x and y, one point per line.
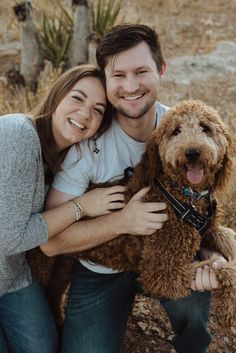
98	162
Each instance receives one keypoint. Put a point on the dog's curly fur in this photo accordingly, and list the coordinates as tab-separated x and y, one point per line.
164	260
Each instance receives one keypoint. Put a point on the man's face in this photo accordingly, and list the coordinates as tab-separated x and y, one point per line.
132	81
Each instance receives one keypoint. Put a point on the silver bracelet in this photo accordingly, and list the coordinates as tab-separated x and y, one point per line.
79	212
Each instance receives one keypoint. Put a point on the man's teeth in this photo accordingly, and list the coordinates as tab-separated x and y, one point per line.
75	123
130	98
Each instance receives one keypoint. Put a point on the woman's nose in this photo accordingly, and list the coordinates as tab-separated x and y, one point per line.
84	113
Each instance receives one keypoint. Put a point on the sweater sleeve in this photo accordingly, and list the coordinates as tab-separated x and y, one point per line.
21	225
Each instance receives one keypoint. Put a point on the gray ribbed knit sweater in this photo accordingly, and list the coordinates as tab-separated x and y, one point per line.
21	199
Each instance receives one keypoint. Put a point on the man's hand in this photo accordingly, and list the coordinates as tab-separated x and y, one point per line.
205	278
142	218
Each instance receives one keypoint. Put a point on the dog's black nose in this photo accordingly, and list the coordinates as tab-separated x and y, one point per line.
192	154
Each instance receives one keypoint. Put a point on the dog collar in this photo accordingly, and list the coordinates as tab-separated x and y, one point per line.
196	196
188	213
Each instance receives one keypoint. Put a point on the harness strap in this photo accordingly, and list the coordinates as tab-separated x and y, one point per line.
188	213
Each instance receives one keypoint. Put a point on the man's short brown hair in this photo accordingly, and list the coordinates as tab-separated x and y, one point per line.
126	36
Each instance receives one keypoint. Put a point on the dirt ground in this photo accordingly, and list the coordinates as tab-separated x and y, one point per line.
186	27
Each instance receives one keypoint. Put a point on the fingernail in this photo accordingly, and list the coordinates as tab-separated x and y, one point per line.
214	264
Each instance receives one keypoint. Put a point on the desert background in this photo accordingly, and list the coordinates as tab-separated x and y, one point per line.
198	40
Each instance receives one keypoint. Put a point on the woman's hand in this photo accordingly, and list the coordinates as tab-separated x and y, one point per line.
100	201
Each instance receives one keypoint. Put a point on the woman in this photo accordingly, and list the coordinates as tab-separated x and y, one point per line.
75	109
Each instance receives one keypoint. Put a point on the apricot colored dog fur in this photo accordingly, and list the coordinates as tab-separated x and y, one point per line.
190	154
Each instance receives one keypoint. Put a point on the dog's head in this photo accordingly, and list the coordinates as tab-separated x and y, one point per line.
192	145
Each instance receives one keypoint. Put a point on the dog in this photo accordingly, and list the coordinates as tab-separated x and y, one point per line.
187	161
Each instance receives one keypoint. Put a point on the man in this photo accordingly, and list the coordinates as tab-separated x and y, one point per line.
100	299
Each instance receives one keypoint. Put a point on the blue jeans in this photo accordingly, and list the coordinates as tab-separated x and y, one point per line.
99	306
26	322
189	318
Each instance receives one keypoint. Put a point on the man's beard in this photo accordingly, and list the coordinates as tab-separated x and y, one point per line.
139	115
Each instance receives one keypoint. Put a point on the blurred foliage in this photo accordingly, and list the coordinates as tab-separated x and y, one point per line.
105	15
55	35
17	98
56	32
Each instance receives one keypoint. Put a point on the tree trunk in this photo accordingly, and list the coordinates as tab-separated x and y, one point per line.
81	33
31	54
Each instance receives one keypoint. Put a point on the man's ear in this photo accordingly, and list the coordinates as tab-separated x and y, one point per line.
163	69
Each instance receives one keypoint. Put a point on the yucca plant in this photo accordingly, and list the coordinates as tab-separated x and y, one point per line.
105	15
55	34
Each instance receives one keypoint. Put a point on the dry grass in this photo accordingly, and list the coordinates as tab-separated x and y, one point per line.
15	99
9	22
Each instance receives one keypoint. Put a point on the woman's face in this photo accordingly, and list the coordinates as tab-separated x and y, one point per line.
80	113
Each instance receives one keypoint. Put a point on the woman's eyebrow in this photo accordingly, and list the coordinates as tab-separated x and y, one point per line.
79	91
85	96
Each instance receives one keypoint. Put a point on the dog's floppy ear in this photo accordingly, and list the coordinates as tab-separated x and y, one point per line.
150	167
223	175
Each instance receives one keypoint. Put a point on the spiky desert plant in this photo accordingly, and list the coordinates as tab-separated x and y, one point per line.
106	13
55	35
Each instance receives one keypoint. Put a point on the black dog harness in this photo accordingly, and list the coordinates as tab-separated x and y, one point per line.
188	212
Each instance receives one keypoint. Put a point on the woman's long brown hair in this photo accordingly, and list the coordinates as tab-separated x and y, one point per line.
42	115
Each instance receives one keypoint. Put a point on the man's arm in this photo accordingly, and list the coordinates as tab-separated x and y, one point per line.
137	218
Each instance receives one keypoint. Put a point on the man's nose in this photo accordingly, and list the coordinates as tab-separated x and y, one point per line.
131	84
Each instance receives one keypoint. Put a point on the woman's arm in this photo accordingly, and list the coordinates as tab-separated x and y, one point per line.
137	217
21	187
22	226
94	203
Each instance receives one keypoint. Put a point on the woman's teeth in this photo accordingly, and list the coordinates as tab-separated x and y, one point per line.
75	123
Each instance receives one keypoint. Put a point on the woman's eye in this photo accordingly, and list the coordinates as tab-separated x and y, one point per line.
205	128
100	112
176	131
77	98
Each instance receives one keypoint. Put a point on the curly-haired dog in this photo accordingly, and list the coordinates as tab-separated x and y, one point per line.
188	159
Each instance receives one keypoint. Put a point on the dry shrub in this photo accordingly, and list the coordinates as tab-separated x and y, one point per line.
18	99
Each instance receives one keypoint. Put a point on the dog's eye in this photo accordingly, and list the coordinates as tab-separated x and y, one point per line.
205	128
176	131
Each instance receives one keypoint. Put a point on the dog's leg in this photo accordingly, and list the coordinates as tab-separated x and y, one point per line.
41	266
223	241
224	298
58	288
164	270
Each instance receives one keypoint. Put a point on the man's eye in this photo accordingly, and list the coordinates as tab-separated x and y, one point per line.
142	72
118	75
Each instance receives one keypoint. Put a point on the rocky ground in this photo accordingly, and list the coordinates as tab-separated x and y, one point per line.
200	66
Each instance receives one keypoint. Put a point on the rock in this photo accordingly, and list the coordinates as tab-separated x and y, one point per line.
187	69
10	49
